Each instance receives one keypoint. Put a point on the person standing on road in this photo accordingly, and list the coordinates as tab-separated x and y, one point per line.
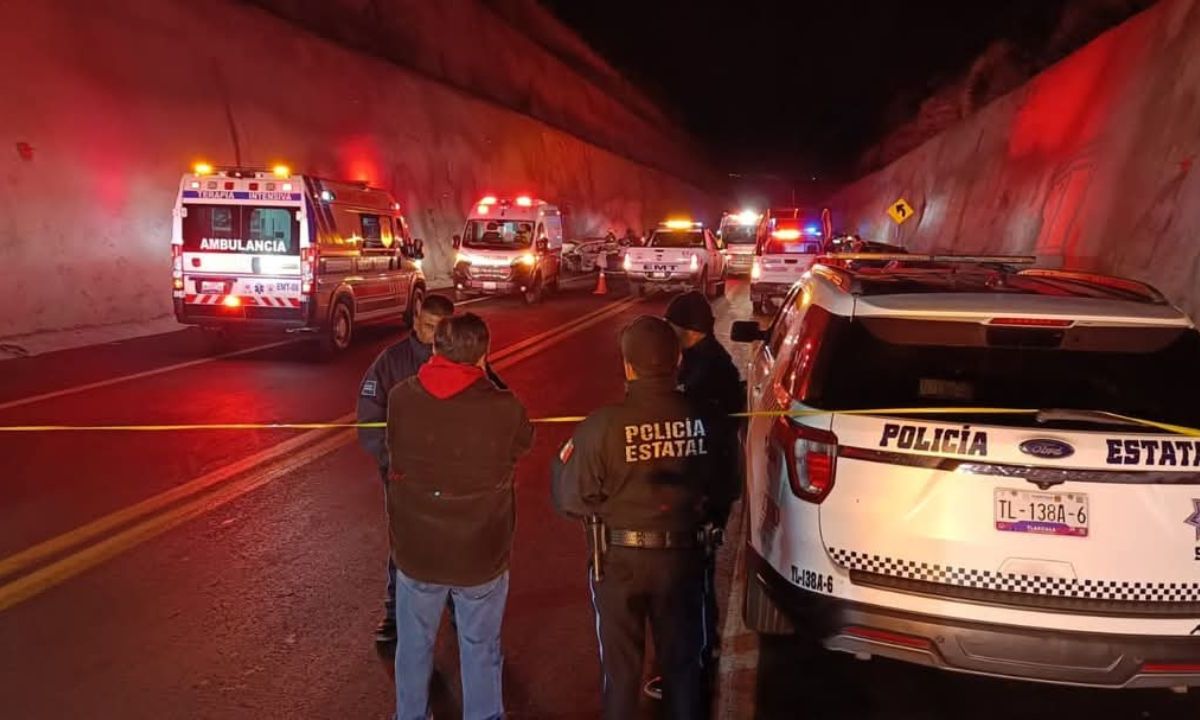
453	441
708	378
639	473
394	365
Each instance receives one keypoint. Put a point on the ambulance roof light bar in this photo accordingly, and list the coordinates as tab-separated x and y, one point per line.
681	224
748	217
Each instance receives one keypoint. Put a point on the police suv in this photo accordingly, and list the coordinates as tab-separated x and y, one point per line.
680	255
979	466
269	250
509	246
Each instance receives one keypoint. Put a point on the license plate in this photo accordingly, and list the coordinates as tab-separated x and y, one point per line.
489	285
212	288
659	275
1043	513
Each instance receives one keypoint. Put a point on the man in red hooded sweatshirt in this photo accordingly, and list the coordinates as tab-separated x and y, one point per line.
454	438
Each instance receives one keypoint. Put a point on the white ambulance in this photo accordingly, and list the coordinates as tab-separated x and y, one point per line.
509	246
739	233
981	467
269	250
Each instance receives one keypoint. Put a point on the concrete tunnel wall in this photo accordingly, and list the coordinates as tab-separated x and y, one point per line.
1090	165
106	104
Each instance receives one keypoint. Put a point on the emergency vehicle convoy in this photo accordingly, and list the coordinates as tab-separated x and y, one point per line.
680	255
270	250
787	241
739	232
1027	509
509	246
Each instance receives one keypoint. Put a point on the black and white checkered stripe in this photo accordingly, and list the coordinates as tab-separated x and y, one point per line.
1158	592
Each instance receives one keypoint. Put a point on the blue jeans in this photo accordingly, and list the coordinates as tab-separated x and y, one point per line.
478	611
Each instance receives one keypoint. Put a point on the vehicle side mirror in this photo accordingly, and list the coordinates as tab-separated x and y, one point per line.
747	331
456	241
417	249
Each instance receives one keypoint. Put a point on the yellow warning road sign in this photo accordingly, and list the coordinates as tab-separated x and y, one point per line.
900	211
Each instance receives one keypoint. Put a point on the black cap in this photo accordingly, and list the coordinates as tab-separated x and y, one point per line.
651	347
691	311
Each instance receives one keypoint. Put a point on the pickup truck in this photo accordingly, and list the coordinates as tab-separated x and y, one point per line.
680	255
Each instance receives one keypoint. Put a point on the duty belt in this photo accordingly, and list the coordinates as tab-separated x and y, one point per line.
653	539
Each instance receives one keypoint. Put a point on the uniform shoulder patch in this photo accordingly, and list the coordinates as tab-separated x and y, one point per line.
369	388
568	449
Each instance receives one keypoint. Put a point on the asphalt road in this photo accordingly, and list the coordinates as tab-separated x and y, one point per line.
239	574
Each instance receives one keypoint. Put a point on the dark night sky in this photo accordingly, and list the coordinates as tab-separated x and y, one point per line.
796	88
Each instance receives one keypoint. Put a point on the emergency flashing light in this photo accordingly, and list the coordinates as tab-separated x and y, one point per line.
202	168
483	209
488	200
748	217
232	301
812	230
678	224
786	234
287	187
282	171
195	184
326	196
524	201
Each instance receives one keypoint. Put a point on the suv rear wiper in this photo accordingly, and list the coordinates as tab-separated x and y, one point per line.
1092	416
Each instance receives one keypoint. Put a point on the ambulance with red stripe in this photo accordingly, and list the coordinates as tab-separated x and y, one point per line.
272	251
979	466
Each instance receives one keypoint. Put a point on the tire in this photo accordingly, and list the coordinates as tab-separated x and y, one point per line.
414	306
536	291
337	335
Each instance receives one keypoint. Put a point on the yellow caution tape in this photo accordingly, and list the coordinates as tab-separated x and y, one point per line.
1166	427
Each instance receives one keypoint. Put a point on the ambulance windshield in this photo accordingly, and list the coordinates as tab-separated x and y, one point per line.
498	234
738	234
241	229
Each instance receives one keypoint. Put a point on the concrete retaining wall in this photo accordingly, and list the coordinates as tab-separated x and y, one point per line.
106	103
1089	165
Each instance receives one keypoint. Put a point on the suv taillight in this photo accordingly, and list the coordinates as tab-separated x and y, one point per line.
809	456
177	266
308	259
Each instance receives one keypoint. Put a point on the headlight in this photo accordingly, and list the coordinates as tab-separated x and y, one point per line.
528	259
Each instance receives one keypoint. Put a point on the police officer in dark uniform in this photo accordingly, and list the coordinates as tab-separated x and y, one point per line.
710	380
394	365
640	473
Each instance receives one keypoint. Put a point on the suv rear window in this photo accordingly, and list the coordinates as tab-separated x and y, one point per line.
677	239
880	363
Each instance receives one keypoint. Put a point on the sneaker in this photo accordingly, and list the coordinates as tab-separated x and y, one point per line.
653	688
385	632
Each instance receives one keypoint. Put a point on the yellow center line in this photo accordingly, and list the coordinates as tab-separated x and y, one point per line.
298	451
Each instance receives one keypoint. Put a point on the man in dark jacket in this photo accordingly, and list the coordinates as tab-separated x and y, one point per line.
711	381
643	468
453	443
395	364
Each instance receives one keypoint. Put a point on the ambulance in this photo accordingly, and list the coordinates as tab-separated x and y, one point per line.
787	242
739	232
273	251
509	246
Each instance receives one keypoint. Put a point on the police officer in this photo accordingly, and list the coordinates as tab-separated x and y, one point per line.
394	365
640	471
710	380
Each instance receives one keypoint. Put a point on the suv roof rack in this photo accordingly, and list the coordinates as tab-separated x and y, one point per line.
885	273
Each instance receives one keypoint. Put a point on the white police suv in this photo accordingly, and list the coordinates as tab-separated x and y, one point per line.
981	466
